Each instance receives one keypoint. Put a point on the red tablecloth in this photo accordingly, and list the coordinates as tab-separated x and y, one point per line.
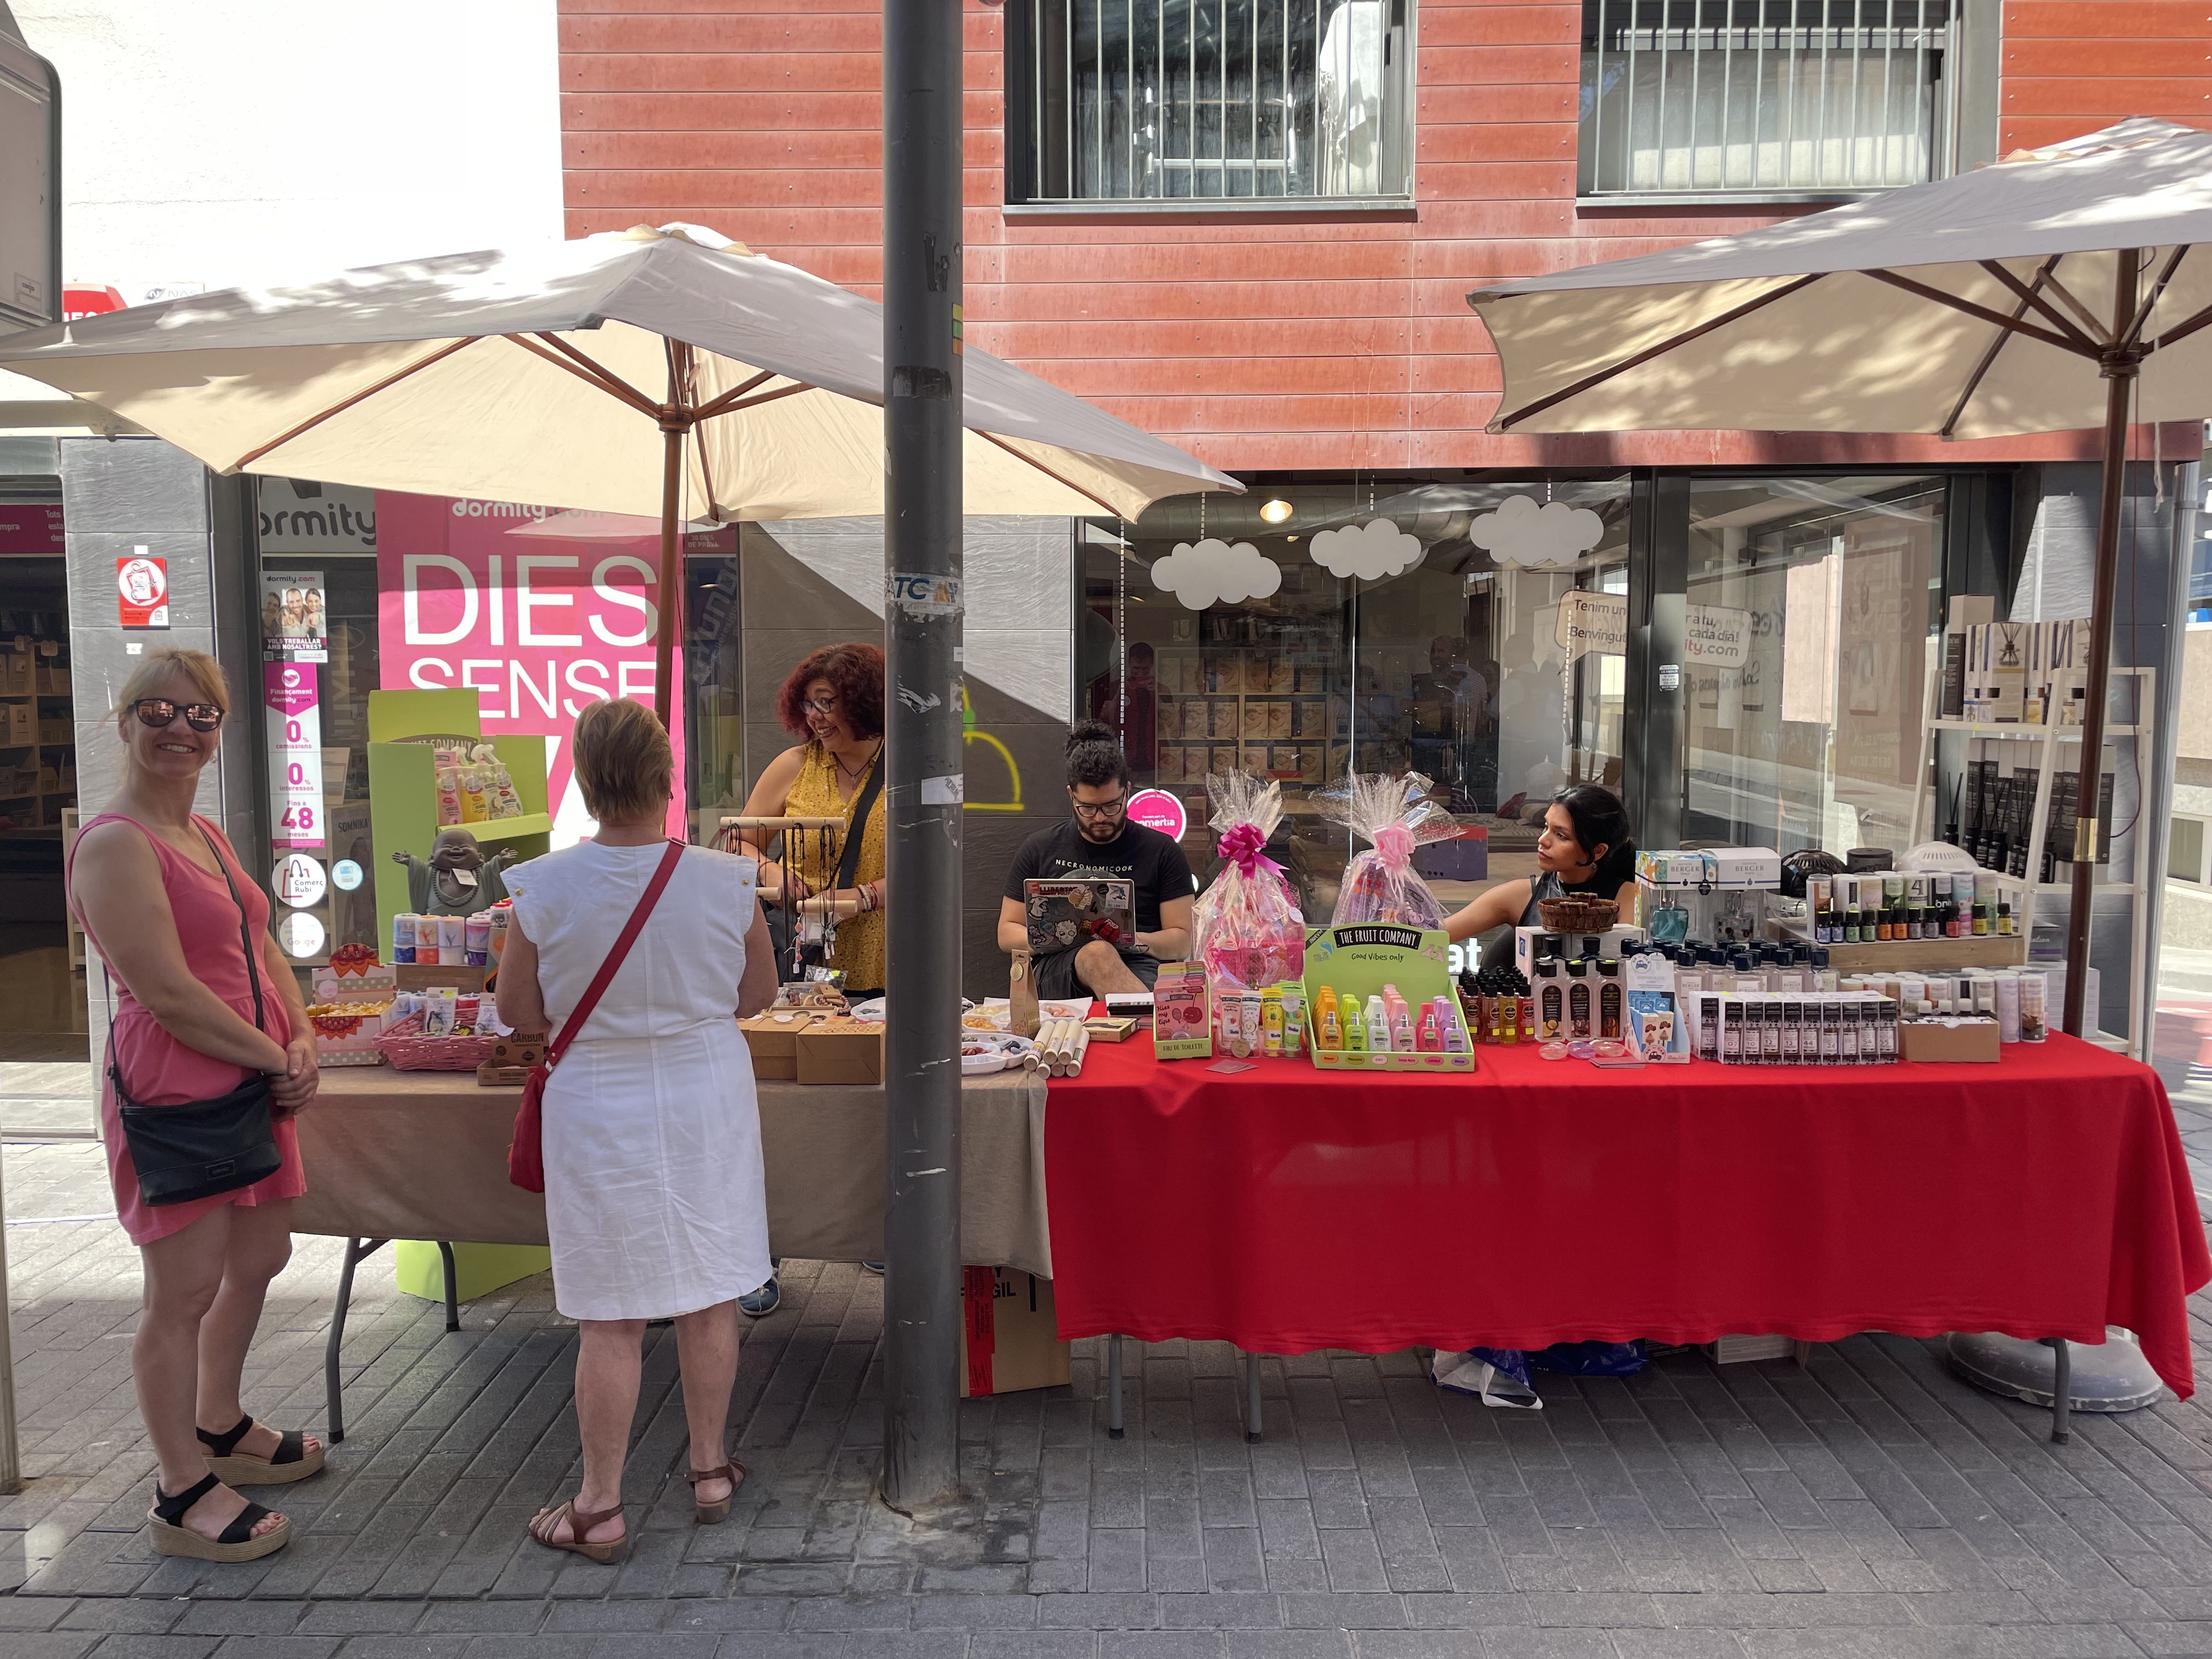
1286	1209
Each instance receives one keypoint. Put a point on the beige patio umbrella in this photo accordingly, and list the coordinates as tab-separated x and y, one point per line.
653	371
2049	292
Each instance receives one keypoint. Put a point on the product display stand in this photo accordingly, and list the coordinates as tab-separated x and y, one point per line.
2054	748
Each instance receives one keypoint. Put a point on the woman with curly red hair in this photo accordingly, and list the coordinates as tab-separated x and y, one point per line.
834	700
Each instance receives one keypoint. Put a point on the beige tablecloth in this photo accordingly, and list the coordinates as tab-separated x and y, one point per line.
396	1154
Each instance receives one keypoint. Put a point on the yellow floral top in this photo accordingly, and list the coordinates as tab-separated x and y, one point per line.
813	795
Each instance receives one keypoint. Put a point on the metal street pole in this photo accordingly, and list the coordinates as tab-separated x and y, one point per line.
922	619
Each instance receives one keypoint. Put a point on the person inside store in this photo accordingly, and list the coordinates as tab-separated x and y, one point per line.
1584	848
656	1203
1099	842
834	700
211	1051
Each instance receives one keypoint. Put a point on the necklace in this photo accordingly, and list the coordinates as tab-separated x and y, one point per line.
855	772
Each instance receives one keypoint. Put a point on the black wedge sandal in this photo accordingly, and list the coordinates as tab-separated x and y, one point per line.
292	1462
172	1537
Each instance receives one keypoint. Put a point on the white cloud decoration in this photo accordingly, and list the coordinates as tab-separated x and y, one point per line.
1372	551
1214	572
1523	532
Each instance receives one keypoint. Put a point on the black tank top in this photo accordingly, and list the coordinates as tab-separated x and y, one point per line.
1498	953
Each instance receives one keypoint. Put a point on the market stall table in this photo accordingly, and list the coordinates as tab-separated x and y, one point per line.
1286	1210
392	1154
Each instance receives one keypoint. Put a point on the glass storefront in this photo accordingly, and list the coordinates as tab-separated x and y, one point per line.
1455	641
1481	636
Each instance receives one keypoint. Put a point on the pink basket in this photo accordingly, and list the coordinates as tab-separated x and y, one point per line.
409	1050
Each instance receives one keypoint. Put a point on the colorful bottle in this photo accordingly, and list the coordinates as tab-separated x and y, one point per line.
1271	1021
1328	1031
1551	1008
1427	1038
1355	1028
1578	999
1402	1034
1378	1027
1609	998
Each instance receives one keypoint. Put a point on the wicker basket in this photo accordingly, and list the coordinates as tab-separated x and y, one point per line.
1577	914
409	1050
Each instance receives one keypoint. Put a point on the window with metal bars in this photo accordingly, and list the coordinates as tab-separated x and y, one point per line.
1764	97
1234	101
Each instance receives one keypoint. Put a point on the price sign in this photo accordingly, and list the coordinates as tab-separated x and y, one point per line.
295	754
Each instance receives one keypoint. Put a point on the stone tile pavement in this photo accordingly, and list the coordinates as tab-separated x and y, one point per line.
1866	1504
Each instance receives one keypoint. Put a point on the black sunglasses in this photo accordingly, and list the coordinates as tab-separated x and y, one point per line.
158	712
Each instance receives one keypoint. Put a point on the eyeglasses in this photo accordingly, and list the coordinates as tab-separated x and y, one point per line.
158	712
820	705
1103	811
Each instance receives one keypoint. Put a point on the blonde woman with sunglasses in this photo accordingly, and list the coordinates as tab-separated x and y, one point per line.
164	900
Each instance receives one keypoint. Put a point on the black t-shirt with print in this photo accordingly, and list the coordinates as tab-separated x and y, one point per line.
1152	860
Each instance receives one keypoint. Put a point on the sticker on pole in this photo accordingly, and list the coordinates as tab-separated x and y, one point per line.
141	590
918	593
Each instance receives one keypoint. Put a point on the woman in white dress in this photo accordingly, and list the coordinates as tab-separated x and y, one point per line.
654	1200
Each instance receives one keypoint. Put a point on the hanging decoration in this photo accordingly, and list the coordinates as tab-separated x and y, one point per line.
1214	572
1522	533
1375	550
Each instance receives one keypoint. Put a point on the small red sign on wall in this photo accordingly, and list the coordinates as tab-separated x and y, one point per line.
141	590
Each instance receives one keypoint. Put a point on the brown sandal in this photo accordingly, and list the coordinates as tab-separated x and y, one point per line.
579	1522
705	1515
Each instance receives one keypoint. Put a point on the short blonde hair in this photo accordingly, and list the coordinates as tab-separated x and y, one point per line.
157	668
625	763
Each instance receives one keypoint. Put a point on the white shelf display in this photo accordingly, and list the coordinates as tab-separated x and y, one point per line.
2036	861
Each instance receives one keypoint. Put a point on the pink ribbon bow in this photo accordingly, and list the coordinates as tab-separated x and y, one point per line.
1244	846
1395	843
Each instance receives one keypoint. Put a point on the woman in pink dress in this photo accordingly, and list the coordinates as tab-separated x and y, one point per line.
147	880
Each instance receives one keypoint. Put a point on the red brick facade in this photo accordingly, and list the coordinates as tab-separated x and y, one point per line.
1311	343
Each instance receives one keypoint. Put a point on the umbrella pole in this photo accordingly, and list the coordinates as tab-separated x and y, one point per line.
671	483
2122	362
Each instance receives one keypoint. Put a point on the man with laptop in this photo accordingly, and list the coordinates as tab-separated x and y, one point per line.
1099	902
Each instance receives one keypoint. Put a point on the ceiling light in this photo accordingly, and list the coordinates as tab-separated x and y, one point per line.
1277	511
1290	539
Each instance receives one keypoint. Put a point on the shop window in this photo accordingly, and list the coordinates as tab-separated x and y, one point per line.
1764	97
1484	654
1810	606
2184	851
1207	99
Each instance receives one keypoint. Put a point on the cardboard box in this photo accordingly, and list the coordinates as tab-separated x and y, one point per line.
774	1041
841	1051
1968	1040
1009	1333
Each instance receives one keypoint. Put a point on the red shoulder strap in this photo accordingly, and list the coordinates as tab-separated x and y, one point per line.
631	928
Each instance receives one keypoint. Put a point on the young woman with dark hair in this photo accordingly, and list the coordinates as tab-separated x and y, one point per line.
1584	848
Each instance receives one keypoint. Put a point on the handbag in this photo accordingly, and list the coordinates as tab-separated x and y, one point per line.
781	917
525	1153
202	1147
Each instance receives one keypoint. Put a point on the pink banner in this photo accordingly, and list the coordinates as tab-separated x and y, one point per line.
542	611
31	528
295	753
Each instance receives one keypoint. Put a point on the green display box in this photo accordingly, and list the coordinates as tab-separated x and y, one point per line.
478	1269
403	797
1359	961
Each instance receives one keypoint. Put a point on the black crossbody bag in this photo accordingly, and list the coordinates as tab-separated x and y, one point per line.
202	1147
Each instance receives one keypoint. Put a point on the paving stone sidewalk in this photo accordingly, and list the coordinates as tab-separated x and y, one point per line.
1867	1504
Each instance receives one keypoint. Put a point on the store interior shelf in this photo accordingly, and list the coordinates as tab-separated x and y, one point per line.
2063	733
2065	889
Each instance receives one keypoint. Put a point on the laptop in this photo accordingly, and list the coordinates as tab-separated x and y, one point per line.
1064	914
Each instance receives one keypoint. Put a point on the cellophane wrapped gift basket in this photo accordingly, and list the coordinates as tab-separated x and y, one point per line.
1395	816
1246	928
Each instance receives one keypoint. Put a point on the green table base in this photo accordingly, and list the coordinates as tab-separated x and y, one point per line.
478	1269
